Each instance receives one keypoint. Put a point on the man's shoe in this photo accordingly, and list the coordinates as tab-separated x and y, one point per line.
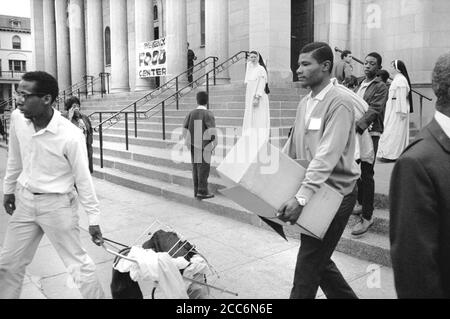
205	196
362	227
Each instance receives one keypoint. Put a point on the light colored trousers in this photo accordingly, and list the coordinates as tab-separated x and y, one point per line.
56	215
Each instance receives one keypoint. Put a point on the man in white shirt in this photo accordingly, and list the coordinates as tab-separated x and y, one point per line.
46	159
420	203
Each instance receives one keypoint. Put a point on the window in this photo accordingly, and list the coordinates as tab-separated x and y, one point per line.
16	42
15	23
155	13
108	46
202	22
18	65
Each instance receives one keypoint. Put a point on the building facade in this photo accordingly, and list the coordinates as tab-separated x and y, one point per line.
15	53
78	37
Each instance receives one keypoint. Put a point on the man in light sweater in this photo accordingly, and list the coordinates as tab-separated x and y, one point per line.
324	135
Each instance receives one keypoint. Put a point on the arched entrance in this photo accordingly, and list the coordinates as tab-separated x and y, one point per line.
302	29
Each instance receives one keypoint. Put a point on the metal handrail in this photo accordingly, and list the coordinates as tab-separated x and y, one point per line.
5	121
174	82
175	96
421	96
84	87
7	102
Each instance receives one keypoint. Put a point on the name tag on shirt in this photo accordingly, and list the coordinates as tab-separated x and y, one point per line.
315	124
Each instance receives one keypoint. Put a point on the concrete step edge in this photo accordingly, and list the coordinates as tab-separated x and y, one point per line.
173	175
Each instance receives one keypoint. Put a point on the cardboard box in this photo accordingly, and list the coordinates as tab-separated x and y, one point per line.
265	178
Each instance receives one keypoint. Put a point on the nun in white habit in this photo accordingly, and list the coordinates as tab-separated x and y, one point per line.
257	113
395	137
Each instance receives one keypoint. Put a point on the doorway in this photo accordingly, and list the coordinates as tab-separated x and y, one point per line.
302	29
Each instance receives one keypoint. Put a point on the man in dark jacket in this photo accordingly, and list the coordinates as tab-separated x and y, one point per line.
420	203
375	93
202	139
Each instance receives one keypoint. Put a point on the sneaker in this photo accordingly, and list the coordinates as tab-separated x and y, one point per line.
362	227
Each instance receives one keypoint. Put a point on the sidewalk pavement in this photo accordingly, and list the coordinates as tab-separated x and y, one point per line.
255	263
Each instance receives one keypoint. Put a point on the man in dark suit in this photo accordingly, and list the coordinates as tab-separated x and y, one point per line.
202	139
375	93
420	203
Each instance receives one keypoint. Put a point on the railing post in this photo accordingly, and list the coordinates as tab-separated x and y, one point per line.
107	79
102	83
164	120
214	68
126	130
92	85
135	121
176	88
86	85
207	88
100	135
421	107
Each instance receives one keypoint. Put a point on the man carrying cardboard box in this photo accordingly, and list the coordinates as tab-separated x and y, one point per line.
324	135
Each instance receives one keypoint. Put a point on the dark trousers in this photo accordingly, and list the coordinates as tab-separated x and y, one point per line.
190	72
2	128
314	265
201	166
366	184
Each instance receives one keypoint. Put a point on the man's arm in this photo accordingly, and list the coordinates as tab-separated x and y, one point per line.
77	156
414	231
332	145
376	107
211	132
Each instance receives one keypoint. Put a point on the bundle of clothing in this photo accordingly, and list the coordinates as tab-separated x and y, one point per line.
164	262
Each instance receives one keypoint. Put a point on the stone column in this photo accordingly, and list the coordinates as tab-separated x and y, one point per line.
356	35
216	44
50	37
144	33
63	44
176	37
77	40
270	34
95	47
37	34
119	46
